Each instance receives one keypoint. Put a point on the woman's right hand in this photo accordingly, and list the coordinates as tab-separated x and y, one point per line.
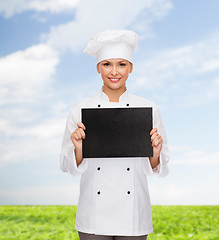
78	135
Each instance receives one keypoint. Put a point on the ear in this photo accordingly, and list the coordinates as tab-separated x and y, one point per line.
98	68
131	67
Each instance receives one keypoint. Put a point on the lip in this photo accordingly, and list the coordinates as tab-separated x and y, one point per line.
114	79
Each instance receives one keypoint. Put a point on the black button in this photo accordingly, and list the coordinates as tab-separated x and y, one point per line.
98	192
128	169
98	168
128	192
127	104
98	105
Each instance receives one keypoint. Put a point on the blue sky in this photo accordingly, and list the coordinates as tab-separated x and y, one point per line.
43	72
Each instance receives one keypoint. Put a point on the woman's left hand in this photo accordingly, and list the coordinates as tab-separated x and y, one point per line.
157	142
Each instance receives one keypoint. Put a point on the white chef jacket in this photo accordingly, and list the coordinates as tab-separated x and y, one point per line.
114	197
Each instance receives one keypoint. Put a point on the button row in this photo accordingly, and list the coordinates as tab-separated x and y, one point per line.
128	169
99	192
126	105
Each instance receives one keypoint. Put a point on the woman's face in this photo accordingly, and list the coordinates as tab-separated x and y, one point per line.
114	72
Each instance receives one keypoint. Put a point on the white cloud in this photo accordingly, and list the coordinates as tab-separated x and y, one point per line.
186	75
27	133
198	158
97	15
168	65
20	149
213	90
57	194
184	155
176	194
48	128
10	8
25	74
34	142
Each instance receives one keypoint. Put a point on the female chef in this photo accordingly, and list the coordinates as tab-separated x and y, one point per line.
114	201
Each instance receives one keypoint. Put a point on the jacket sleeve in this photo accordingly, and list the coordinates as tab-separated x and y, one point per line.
67	156
162	169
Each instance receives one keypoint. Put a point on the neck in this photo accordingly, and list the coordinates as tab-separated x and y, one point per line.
113	94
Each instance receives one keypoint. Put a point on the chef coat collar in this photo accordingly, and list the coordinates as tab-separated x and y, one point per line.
122	98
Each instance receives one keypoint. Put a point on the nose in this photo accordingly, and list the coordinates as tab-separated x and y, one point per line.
114	70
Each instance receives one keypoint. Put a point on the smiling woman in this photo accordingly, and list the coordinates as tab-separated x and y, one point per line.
114	73
114	201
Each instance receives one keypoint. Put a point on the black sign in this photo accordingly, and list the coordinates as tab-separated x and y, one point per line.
117	132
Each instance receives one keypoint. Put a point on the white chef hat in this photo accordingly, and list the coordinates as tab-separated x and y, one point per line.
112	44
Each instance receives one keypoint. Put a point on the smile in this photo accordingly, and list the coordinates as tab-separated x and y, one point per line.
114	79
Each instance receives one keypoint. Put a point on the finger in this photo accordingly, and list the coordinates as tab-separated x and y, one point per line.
81	125
74	136
82	133
79	133
157	141
155	135
153	131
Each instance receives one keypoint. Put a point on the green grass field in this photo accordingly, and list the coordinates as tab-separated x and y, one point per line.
57	222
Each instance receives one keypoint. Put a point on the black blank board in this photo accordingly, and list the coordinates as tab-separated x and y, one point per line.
117	132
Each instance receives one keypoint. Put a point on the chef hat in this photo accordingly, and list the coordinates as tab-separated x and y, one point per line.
112	44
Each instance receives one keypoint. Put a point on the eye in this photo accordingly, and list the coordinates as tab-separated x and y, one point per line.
122	64
106	64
